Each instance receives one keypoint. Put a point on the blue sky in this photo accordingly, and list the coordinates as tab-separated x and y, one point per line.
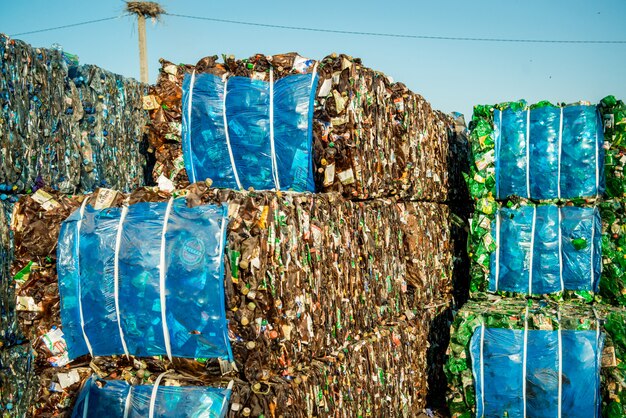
452	75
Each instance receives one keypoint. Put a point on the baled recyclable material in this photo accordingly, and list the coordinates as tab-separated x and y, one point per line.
539	152
507	356
68	126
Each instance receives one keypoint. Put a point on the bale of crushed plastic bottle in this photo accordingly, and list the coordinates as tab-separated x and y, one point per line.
369	136
70	127
541	152
508	357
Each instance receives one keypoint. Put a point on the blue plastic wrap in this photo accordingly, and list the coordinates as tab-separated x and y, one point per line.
549	152
227	131
117	399
517	372
566	249
192	284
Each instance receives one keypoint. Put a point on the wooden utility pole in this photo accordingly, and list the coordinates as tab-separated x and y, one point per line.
143	49
144	9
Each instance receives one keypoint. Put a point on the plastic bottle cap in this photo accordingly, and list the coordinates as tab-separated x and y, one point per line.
251	306
245	321
235	407
250	345
246	412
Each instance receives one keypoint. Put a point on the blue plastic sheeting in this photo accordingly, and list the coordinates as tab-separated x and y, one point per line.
554	263
191	257
519	374
117	399
227	131
549	152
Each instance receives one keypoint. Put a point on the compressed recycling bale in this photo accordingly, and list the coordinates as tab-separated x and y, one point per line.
579	251
18	383
305	274
287	256
68	126
117	399
9	330
371	137
242	132
588	341
381	374
541	151
533	249
375	137
148	276
613	113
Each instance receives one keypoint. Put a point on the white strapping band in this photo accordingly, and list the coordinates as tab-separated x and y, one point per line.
193	168
560	359
116	277
498	142
227	135
313	74
86	404
127	403
558	177
524	360
482	367
272	147
79	224
532	252
597	165
593	247
162	274
595	314
528	153
498	217
231	384
560	252
155	389
479	361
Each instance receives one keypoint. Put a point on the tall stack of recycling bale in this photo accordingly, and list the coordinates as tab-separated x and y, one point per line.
293	125
64	127
544	331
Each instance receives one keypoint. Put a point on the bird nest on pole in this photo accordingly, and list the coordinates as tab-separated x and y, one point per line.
145	8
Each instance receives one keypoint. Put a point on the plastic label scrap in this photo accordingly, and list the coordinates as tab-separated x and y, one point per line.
536	372
118	399
54	342
242	132
146	280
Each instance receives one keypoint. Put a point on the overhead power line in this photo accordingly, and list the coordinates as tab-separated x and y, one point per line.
393	35
348	32
67	26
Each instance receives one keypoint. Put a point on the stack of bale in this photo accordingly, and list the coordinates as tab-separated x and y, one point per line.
337	303
70	128
548	185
